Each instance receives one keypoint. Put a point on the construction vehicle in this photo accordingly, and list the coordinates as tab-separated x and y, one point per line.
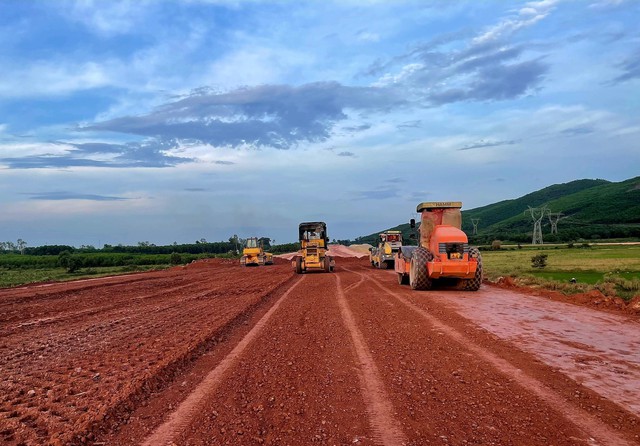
313	253
382	256
254	254
443	252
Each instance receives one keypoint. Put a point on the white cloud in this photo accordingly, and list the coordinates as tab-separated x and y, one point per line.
10	150
406	72
530	14
30	209
365	36
602	4
52	78
252	64
108	18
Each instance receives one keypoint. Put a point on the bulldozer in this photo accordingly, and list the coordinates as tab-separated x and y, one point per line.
313	253
253	253
383	255
443	252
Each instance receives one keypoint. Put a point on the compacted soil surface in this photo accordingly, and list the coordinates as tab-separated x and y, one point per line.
219	354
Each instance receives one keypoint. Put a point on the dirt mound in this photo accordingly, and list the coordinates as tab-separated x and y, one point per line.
363	248
287	256
345	251
335	251
634	305
593	298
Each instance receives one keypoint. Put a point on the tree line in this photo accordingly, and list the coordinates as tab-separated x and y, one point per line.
231	247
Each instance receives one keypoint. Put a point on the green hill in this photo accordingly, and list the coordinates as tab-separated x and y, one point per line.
591	209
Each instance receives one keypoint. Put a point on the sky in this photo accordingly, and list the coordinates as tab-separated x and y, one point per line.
174	121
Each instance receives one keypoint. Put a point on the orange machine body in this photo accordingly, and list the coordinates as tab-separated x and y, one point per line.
448	246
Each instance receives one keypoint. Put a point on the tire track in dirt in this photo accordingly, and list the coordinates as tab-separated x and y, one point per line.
109	307
87	374
385	428
51	291
83	314
599	433
190	407
85	325
81	301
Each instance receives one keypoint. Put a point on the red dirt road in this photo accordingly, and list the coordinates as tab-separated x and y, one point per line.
219	354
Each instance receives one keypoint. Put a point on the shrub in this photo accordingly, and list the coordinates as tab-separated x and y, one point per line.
176	258
539	261
606	288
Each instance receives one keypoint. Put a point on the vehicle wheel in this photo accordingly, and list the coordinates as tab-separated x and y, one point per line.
299	265
418	275
327	264
403	279
474	284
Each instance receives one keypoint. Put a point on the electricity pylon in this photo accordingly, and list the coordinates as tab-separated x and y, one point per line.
536	215
475	221
554	217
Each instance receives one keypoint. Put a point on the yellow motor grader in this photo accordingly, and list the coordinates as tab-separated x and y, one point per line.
253	253
313	253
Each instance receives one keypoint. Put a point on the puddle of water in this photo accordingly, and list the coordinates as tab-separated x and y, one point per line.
599	350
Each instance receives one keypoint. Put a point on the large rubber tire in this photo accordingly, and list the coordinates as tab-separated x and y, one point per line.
299	265
474	284
327	264
418	274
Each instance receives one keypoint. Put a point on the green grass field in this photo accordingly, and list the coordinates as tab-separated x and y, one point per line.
595	266
17	269
20	276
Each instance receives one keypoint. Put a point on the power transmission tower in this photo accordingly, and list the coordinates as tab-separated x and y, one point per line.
536	215
554	217
475	221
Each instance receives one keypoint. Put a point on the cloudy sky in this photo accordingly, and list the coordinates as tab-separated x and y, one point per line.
163	121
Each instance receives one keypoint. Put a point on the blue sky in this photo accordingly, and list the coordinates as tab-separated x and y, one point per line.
163	121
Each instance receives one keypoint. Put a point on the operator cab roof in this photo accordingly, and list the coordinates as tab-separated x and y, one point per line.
429	205
313	224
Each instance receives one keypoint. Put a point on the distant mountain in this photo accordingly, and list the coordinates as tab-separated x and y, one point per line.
591	209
